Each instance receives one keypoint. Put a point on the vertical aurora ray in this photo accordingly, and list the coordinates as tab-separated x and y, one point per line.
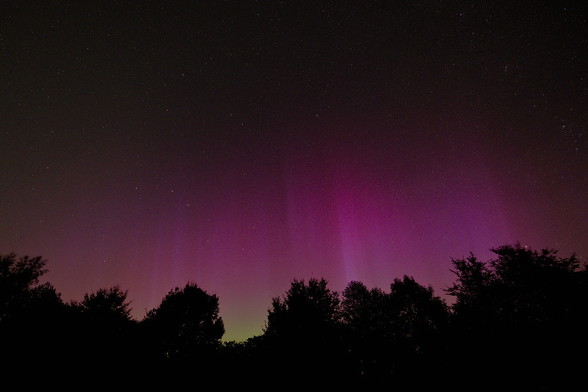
349	235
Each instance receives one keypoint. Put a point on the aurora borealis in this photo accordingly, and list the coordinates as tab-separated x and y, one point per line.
240	145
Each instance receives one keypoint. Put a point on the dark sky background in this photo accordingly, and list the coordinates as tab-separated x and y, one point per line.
242	144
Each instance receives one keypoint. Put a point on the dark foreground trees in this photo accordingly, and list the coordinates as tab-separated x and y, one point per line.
30	313
303	334
186	325
368	337
516	321
522	314
392	335
104	334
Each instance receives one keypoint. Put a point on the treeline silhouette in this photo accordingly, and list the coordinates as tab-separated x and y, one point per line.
517	321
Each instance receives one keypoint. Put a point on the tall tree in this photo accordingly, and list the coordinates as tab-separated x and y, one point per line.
18	277
31	314
306	310
393	333
363	315
186	324
106	306
102	332
521	287
519	309
303	332
418	323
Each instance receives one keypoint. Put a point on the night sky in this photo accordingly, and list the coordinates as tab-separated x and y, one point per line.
242	144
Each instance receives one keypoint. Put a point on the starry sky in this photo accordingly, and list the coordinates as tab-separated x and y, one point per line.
242	144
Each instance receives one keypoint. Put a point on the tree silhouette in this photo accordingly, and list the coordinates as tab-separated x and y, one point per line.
518	310
418	321
104	332
18	278
391	335
363	314
521	288
303	331
31	315
517	321
186	323
362	308
181	337
107	305
306	309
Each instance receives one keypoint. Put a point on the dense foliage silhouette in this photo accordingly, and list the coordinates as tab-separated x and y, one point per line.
30	313
392	335
185	323
102	325
523	314
516	321
303	333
